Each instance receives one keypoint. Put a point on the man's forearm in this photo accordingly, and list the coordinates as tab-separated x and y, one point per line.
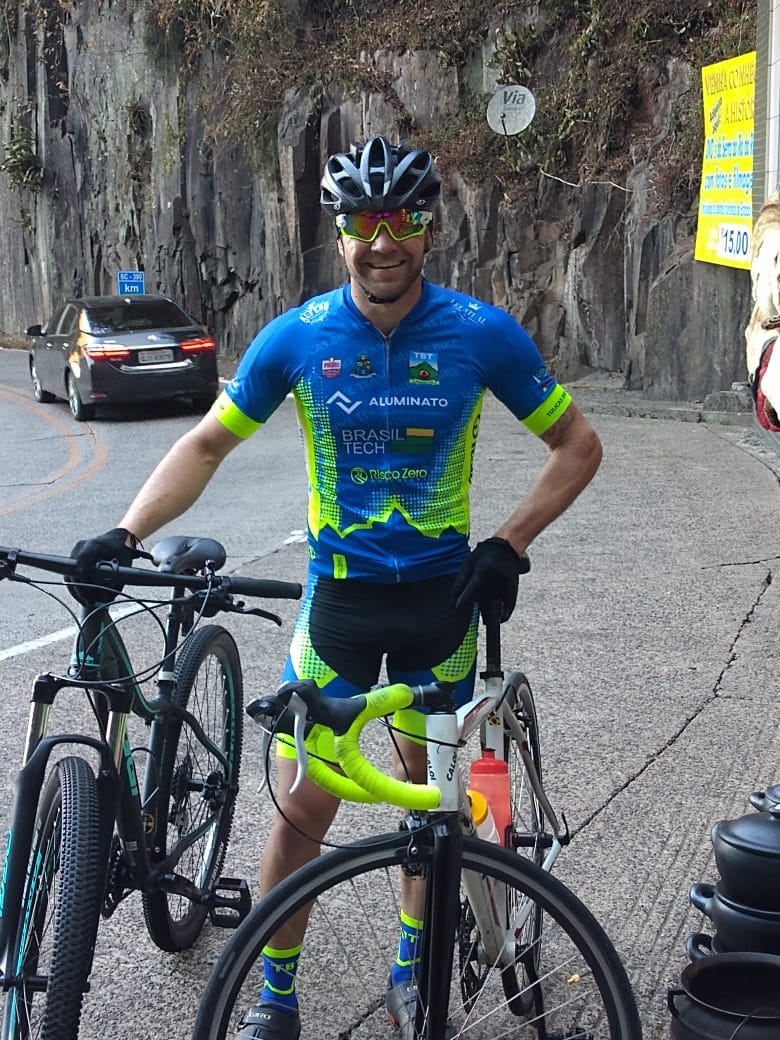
569	469
176	483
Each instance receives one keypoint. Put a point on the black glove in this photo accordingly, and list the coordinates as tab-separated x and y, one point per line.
110	546
488	575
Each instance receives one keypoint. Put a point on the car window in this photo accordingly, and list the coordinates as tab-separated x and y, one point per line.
68	322
136	314
51	325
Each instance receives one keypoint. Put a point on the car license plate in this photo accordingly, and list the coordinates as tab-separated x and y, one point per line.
154	357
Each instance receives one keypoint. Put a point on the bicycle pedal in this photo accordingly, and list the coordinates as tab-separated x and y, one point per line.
229	903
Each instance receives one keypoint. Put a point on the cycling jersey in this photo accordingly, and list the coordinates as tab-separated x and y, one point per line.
390	422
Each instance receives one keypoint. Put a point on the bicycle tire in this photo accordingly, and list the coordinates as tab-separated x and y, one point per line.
341	978
59	918
527	815
192	783
528	821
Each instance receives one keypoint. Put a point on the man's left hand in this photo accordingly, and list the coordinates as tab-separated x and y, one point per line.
489	574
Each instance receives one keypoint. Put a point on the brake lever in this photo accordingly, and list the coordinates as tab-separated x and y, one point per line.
239	608
298	707
267	721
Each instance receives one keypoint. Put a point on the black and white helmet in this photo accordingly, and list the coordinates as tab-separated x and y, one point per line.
379	176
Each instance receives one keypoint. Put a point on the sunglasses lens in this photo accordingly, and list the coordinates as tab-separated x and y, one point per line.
400	223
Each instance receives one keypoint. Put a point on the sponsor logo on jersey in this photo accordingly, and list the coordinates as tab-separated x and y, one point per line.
423	368
541	376
470	312
359	475
331	367
343	402
362	441
363	367
407	401
314	312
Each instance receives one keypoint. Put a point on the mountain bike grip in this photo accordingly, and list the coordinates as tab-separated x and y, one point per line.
264	588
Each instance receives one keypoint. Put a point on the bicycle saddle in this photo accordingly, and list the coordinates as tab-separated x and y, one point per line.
178	555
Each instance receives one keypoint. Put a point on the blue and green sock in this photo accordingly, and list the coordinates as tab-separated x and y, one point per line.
279	967
409	950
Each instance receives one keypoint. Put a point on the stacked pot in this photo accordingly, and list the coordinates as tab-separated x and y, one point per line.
731	988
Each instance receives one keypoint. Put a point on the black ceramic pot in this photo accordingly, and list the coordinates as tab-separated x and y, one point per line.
738	927
701	944
734	996
747	853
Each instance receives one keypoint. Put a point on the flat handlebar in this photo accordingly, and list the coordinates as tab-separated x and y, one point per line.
110	572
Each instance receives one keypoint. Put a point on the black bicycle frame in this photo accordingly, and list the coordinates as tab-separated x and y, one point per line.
101	665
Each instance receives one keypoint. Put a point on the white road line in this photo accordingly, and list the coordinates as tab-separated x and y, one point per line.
35	644
55	637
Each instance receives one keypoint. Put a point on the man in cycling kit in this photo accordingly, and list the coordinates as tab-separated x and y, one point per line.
388	374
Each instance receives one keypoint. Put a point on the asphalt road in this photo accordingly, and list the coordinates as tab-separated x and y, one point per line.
648	628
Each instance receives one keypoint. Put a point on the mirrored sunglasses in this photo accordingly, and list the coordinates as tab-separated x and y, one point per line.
400	224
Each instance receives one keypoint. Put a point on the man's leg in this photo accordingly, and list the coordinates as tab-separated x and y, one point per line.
311	810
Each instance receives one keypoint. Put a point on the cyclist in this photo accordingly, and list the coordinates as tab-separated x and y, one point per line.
388	374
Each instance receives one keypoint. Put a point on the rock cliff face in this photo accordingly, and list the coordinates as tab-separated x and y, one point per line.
112	170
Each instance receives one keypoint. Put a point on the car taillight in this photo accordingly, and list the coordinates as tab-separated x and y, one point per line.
106	353
198	346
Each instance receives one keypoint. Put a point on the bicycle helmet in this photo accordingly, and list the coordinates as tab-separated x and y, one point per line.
379	176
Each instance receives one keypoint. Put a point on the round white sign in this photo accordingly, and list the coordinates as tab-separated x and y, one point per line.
511	109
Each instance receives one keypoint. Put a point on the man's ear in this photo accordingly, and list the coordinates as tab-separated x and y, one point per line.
340	244
428	241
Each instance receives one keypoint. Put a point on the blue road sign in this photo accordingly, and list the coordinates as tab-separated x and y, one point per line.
130	283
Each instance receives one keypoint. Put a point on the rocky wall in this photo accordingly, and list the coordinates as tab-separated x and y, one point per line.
130	180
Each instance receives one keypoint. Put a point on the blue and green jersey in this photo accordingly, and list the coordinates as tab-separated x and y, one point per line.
390	423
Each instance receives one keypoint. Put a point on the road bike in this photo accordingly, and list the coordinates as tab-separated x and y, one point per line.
86	831
507	949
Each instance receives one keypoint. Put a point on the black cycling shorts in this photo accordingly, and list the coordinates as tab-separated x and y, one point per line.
346	630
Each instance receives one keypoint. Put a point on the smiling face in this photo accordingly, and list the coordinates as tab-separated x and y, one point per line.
385	275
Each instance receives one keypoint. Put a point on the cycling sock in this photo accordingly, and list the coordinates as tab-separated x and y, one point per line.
409	949
279	967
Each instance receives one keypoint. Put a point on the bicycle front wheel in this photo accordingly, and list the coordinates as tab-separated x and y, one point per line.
58	922
580	991
196	790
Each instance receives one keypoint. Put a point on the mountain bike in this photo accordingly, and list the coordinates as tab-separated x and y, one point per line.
85	831
507	949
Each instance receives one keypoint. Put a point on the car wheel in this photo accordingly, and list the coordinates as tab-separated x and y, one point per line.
81	412
41	396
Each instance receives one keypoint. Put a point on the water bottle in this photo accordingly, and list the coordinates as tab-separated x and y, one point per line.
484	824
490	777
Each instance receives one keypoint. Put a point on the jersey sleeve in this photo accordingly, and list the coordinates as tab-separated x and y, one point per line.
265	375
514	370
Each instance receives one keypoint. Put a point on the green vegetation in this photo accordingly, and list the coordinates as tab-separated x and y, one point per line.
591	64
20	163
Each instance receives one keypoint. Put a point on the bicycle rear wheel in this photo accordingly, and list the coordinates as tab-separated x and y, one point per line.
58	922
528	826
197	792
581	990
528	836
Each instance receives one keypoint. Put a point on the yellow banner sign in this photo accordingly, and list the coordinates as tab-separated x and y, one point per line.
726	196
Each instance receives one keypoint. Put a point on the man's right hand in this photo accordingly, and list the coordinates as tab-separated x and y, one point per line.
111	546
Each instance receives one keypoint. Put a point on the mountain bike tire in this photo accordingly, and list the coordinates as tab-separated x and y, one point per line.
195	790
351	942
59	918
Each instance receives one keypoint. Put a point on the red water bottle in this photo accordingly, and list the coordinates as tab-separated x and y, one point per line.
489	775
